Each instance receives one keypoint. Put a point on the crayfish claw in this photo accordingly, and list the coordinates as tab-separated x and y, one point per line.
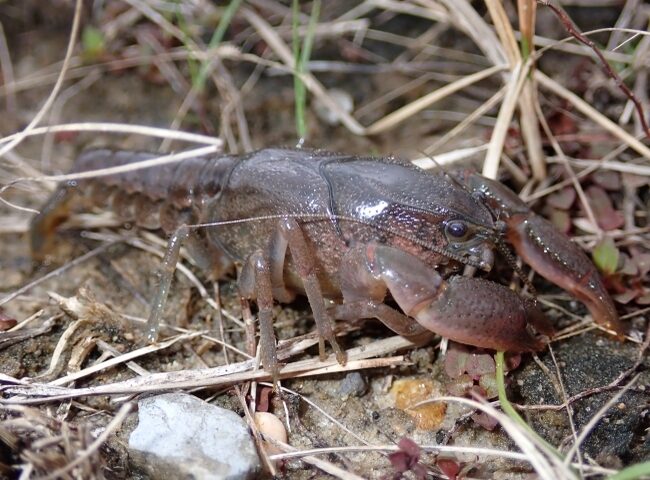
484	314
538	320
555	257
548	251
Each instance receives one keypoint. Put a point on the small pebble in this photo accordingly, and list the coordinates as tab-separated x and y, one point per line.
342	98
271	427
409	392
181	436
353	385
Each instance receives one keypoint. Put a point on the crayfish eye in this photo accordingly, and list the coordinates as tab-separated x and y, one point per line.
457	230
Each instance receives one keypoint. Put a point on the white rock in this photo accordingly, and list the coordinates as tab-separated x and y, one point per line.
342	98
181	436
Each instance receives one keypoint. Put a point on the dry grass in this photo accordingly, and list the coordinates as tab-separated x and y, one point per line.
496	77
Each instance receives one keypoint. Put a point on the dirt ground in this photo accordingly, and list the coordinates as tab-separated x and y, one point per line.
131	67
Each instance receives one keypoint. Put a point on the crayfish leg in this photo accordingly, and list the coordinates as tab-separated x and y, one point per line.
164	275
396	321
306	269
43	226
255	282
261	278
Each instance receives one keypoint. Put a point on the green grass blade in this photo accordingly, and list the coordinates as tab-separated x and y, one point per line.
640	470
217	37
509	410
301	55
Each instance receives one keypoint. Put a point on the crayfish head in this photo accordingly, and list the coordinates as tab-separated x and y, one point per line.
471	244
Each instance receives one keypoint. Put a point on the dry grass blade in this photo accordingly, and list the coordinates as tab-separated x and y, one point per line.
102	172
530	130
513	89
504	30
420	104
622	167
57	86
592	113
527	98
120	128
7	70
324	465
359	358
527	10
394	448
468	120
468	20
448	158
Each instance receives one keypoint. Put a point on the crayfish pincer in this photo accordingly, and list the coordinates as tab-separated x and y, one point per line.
352	230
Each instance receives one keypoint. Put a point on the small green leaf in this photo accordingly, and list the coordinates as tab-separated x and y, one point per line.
93	43
606	255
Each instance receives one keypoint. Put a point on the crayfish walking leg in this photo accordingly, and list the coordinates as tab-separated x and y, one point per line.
262	278
164	275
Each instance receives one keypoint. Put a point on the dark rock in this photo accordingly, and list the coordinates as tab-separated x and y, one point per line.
586	362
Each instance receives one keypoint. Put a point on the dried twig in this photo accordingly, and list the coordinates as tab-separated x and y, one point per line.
592	113
359	358
575	32
105	127
57	86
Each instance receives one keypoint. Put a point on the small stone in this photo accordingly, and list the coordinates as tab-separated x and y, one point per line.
272	428
181	436
353	385
342	98
410	392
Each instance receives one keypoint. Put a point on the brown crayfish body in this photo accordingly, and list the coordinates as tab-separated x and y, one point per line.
351	229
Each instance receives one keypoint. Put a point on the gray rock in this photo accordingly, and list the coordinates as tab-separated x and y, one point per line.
353	385
181	436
